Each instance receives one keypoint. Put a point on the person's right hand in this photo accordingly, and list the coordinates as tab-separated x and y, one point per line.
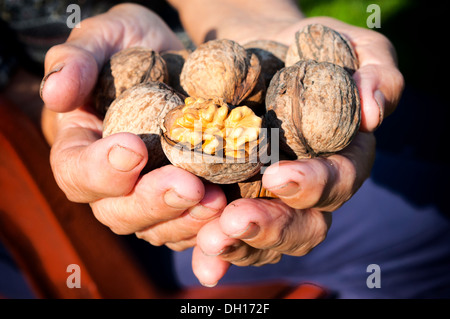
165	206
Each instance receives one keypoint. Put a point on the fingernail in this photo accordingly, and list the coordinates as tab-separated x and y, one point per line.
380	99
285	190
123	159
56	69
201	212
223	251
208	285
175	200
249	232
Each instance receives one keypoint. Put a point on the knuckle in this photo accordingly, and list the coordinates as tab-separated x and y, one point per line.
180	246
150	237
398	80
104	214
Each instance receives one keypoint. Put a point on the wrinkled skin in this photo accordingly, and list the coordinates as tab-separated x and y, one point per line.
173	207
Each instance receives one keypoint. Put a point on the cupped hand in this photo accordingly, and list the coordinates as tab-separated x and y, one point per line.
261	231
165	206
379	81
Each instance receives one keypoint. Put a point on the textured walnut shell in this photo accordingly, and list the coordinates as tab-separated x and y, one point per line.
316	106
271	55
139	110
174	61
213	168
322	44
125	69
220	68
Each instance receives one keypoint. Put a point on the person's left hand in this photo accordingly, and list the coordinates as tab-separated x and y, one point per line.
261	231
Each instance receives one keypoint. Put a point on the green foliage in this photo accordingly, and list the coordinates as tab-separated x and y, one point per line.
352	11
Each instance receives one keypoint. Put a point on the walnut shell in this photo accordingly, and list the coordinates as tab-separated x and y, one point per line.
316	106
271	55
218	167
174	61
139	110
322	44
252	187
125	69
220	68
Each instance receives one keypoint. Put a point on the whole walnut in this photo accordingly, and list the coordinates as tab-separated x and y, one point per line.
174	61
221	68
316	106
125	69
139	110
220	144
322	44
271	55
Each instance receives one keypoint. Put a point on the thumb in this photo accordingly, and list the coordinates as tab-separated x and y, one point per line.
71	74
71	69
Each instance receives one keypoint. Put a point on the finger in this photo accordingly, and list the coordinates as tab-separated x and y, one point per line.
213	242
181	230
71	68
379	81
324	183
208	269
160	195
183	244
274	228
87	167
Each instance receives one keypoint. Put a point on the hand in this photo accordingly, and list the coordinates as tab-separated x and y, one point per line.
165	206
379	81
260	231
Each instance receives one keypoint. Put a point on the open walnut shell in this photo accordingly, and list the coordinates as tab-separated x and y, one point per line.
221	68
322	44
208	139
139	110
316	106
125	69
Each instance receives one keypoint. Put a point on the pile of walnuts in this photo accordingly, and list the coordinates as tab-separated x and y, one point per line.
210	111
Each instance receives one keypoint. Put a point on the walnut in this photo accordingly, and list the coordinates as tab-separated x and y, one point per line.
219	144
271	55
174	61
316	106
223	69
322	44
139	110
125	69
